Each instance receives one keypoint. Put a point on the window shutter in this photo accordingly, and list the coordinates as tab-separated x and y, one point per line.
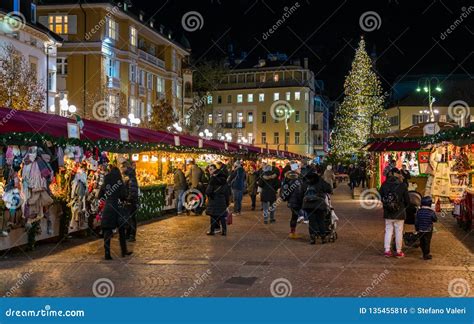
43	20
72	24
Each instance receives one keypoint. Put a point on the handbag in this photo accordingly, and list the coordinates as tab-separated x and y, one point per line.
229	218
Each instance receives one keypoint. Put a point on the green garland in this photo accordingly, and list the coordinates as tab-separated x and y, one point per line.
152	202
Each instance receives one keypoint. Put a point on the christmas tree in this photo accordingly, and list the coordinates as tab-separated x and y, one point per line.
361	112
162	116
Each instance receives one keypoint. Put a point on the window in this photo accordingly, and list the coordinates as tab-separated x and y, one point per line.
297	137
276	138
229	117
306	96
141	77
240	119
33	13
229	98
250	137
250	97
240	98
111	68
113	106
58	24
262	78
276	96
133	36
178	90
297	116
133	106
160	85
276	78
112	29
287	137
416	119
261	97
149	80
209	119
288	96
133	73
393	120
250	117
219	117
264	138
219	99
264	117
61	65
209	99
297	95
51	81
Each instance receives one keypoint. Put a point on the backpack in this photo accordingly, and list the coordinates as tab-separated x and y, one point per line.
391	202
313	199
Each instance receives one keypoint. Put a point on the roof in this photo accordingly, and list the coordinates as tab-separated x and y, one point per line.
42	29
132	12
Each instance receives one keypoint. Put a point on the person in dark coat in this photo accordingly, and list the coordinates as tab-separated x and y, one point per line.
318	208
395	200
132	200
292	192
269	183
113	191
237	180
218	194
286	169
405	174
252	184
180	186
353	176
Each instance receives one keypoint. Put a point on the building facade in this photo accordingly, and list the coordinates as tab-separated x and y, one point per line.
452	100
115	64
270	107
19	27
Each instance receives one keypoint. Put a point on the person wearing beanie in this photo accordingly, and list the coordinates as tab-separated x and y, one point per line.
424	225
292	192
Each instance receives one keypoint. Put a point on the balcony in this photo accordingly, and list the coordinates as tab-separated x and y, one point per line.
113	83
151	59
232	125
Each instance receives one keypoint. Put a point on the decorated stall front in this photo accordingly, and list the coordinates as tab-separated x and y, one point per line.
52	168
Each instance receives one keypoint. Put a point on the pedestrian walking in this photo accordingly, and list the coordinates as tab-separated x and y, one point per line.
329	176
425	217
237	181
180	186
316	206
194	175
218	193
269	185
353	176
292	192
252	184
405	174
113	193
132	201
395	200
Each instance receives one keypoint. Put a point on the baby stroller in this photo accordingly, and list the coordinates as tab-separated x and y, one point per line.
410	239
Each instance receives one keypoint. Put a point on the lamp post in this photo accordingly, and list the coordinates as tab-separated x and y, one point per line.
426	84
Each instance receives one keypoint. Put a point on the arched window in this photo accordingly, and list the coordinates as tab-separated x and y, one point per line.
187	90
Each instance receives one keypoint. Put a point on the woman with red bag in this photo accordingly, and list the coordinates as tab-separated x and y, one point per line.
219	194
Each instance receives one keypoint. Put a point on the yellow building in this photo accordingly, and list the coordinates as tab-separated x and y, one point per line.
261	105
114	63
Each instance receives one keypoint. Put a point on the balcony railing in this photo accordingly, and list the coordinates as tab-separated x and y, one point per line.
151	59
233	125
113	82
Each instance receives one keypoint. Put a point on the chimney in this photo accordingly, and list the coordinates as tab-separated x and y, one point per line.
305	63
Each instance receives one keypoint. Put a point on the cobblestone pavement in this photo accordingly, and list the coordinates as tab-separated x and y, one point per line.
174	257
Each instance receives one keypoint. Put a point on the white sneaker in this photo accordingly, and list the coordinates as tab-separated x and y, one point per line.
218	230
300	219
306	221
4	234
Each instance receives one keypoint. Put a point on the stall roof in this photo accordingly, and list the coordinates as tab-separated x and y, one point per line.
22	121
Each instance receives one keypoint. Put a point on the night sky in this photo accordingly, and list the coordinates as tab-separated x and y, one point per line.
408	38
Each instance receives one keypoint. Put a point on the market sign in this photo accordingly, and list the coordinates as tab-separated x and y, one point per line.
201	143
124	135
431	129
73	130
176	140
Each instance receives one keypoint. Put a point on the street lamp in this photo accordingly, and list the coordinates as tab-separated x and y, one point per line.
131	120
428	84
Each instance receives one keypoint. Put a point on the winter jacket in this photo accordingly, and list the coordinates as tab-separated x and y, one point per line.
194	176
354	174
317	183
237	179
392	184
131	185
286	169
111	192
218	193
424	219
292	190
329	177
269	183
252	183
179	180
